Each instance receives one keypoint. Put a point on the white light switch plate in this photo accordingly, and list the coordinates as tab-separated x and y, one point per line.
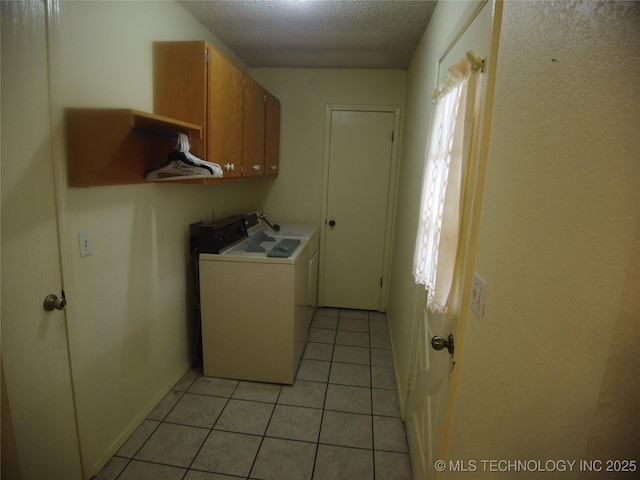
478	295
85	243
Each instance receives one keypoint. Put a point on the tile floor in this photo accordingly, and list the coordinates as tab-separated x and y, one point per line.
340	420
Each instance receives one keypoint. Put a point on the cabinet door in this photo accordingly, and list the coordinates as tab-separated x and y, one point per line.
224	126
179	84
253	128
272	136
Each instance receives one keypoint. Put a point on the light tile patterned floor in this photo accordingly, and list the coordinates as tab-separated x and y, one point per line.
340	420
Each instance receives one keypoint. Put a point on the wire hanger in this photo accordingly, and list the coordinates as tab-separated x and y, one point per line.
183	164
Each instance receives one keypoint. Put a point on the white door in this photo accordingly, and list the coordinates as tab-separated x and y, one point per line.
35	354
357	206
428	395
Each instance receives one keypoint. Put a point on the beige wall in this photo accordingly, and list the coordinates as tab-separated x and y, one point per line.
556	240
614	431
128	301
556	237
128	314
296	195
129	324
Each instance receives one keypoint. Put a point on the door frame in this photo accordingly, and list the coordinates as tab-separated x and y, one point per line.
65	233
63	222
472	205
56	157
391	199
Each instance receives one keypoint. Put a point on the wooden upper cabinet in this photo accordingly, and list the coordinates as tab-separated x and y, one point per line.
195	83
272	136
253	129
179	67
240	120
224	125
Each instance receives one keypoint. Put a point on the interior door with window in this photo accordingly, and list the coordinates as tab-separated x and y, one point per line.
357	208
428	393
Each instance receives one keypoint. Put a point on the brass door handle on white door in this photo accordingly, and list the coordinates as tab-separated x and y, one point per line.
52	302
438	343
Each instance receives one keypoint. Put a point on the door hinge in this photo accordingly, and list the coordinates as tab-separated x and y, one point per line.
381	283
207	56
242	82
393	134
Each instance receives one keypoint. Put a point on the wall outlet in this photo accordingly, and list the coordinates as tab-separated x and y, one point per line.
478	295
84	242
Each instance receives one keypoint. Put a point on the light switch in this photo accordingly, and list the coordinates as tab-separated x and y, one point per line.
85	243
478	295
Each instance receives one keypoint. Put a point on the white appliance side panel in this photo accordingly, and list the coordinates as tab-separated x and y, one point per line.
303	308
247	316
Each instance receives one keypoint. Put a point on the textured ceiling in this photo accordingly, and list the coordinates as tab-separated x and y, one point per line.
315	33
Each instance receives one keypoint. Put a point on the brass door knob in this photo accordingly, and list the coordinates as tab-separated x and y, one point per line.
438	343
52	302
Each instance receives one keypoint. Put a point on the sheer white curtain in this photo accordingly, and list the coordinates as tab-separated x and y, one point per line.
447	149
